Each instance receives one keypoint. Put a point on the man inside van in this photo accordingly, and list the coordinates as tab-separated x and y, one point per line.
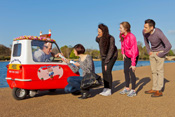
44	54
160	46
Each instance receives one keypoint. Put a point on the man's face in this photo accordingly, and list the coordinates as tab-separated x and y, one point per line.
147	28
47	49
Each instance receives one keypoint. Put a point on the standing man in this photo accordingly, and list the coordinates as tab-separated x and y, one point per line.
160	46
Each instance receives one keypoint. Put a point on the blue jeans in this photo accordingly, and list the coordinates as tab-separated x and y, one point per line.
74	83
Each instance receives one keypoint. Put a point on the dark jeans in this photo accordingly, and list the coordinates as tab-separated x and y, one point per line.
74	83
107	75
129	73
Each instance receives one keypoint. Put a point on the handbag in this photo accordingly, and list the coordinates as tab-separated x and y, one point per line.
90	80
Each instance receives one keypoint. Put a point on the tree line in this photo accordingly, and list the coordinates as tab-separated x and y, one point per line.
5	52
67	51
143	55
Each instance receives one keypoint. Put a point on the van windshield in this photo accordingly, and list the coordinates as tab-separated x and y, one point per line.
43	51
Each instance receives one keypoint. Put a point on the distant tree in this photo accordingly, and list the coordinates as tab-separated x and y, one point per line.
95	54
5	52
66	50
139	44
72	55
173	51
89	51
120	56
170	53
143	55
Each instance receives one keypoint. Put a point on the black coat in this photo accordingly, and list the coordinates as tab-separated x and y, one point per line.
107	50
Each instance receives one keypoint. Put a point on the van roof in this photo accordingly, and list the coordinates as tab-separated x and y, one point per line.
34	38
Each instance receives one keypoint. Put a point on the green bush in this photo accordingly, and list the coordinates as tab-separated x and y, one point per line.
4	58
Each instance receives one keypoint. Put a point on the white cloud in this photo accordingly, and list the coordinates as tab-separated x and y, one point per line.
171	32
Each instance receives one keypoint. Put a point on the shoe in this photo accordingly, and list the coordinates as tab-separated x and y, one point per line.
157	94
76	92
132	93
85	95
124	91
150	91
104	90
106	93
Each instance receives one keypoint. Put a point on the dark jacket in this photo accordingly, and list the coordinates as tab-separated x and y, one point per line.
107	51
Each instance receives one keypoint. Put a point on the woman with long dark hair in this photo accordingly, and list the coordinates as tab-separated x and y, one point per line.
109	53
130	54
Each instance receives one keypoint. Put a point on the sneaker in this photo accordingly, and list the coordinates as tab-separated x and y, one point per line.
106	93
104	90
131	93
124	91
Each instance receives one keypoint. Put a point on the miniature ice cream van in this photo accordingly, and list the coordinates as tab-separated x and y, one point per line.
26	76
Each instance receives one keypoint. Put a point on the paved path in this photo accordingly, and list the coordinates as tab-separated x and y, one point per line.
59	104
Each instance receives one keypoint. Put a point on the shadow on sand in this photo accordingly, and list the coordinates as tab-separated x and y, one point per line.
165	81
116	87
46	92
145	80
142	83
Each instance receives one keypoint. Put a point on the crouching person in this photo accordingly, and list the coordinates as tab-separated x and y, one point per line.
86	63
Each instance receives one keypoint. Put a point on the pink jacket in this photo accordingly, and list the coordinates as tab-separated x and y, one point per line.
129	47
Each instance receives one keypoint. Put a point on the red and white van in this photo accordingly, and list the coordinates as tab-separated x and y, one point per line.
26	77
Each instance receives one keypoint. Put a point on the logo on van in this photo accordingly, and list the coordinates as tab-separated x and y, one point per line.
16	60
50	72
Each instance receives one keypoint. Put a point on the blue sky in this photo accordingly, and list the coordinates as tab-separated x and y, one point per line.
76	21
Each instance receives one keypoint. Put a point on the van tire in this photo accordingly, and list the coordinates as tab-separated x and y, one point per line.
19	94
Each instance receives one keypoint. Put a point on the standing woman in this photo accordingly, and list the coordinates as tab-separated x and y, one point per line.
109	53
130	54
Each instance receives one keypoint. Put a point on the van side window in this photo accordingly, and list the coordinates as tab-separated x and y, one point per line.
17	50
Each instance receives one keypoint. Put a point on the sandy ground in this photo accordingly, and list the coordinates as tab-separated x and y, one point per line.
58	104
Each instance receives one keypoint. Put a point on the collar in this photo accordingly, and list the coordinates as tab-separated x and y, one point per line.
153	31
125	35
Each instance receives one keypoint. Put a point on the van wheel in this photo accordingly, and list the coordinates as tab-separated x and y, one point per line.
19	94
52	90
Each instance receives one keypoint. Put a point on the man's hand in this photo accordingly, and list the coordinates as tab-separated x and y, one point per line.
57	55
150	53
158	53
